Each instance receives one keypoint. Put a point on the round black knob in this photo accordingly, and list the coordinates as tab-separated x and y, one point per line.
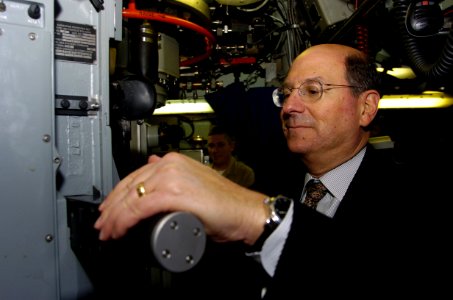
2	6
83	105
34	11
65	103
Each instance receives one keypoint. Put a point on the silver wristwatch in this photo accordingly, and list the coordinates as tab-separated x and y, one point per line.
278	207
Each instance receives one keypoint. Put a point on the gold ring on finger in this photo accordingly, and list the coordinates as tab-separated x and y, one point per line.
141	189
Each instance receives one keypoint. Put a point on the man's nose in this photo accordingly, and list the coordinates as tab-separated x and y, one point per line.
293	102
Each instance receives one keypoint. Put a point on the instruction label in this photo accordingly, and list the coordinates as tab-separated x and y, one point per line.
75	42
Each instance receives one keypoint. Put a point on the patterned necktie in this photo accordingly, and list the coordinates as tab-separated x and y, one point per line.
315	192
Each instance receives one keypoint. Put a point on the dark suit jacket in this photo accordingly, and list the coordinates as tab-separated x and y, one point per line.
377	244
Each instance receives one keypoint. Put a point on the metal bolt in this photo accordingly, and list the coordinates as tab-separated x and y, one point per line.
196	231
166	253
189	259
32	36
46	138
49	238
174	225
56	160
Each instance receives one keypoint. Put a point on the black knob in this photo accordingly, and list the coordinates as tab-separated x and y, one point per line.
83	105
65	103
34	11
2	6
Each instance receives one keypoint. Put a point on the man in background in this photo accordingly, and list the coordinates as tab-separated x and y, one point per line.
221	147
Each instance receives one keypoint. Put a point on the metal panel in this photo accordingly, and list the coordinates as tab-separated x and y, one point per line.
28	268
83	133
45	158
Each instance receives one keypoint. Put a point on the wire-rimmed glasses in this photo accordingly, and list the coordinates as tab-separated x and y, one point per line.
310	91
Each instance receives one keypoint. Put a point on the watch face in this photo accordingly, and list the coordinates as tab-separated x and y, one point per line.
281	205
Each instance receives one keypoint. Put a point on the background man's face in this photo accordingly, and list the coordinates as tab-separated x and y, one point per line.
220	148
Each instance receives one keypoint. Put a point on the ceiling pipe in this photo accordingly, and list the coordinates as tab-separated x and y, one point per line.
132	12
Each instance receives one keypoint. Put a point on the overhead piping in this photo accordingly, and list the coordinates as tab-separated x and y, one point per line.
132	12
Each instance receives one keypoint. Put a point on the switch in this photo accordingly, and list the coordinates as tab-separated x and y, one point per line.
34	11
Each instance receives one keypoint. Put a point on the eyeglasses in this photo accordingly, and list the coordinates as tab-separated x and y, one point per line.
310	91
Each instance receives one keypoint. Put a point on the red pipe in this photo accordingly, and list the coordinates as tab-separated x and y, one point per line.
362	34
133	13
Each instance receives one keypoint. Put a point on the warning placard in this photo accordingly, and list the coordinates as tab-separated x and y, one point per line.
75	42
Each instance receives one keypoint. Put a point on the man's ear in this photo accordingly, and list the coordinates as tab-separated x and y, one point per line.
369	108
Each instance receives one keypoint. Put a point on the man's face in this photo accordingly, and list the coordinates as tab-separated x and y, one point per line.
329	124
220	148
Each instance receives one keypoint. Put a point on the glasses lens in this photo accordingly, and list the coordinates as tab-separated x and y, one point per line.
278	97
311	90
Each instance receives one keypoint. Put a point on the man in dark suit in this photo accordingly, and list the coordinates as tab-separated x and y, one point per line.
360	239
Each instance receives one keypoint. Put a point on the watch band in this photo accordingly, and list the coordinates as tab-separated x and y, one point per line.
278	207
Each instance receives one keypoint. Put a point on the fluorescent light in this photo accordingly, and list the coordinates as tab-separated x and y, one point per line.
186	106
425	100
400	73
